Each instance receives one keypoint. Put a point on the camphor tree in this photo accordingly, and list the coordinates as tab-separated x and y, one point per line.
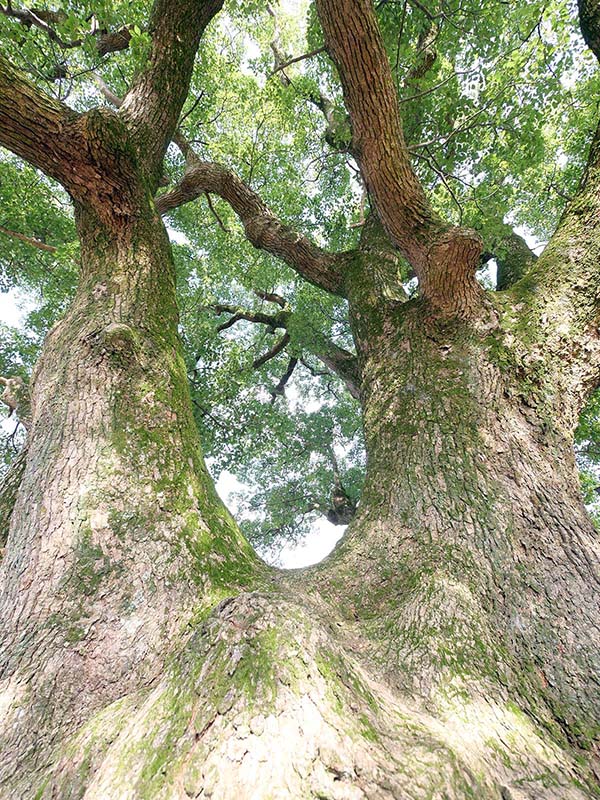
449	646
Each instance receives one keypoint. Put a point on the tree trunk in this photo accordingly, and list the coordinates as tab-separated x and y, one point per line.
117	533
447	649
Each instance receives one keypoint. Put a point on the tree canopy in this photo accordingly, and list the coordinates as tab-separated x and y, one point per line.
498	103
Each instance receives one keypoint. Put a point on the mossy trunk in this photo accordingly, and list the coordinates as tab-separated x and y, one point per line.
117	534
448	648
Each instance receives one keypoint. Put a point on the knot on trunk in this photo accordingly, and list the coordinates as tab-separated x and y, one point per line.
448	280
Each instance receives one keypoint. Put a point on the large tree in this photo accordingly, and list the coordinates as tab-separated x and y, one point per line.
450	645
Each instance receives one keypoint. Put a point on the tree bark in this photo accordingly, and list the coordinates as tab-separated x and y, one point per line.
447	648
111	544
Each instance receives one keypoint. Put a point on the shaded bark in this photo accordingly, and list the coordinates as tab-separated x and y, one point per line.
448	647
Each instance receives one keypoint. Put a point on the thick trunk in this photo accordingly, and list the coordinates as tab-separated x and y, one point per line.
448	648
117	533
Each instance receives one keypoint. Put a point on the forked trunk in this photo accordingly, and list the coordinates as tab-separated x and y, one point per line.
447	649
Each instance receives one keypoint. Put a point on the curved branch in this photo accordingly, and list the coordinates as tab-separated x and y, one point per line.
44	19
154	101
589	21
343	363
280	388
355	44
444	258
274	351
262	228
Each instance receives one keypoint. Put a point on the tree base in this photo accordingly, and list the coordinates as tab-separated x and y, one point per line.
271	698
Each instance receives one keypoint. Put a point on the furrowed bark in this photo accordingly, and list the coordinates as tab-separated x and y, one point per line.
8	494
559	296
261	227
88	154
112	539
153	104
444	258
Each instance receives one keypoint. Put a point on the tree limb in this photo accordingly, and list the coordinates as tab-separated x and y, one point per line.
280	388
513	257
272	321
444	258
343	363
35	126
274	351
152	105
261	227
48	248
44	19
86	153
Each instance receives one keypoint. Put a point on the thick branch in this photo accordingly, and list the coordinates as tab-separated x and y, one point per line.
35	126
44	19
354	42
9	487
262	228
86	153
589	21
513	257
444	258
342	362
153	104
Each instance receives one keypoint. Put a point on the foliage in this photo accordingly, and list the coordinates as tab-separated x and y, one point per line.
498	111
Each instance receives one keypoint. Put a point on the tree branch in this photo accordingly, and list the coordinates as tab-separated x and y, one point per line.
48	248
274	351
280	388
44	19
343	363
272	321
86	153
513	257
261	227
444	258
153	103
296	59
271	297
35	126
560	293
